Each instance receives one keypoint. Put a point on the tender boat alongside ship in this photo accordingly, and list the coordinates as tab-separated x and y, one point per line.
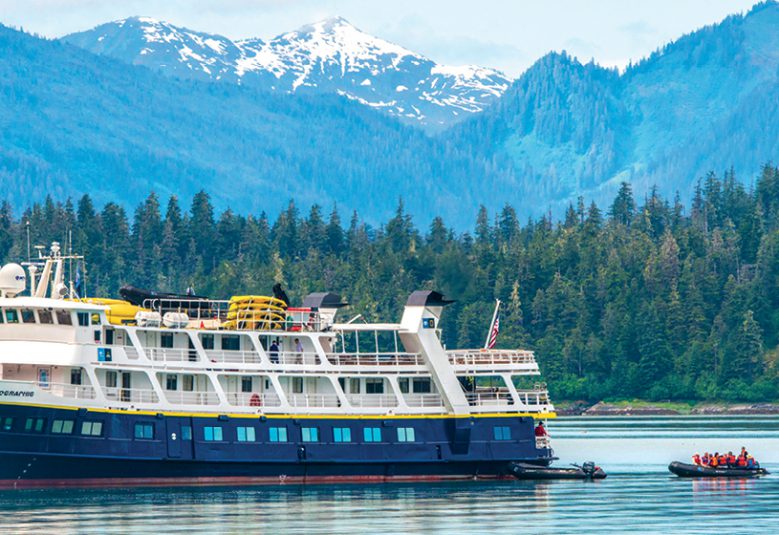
246	391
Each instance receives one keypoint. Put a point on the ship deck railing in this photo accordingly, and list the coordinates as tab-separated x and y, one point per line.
253	399
376	359
169	354
202	397
233	356
533	397
500	398
307	358
313	400
543	443
65	390
211	310
490	357
131	395
372	400
423	400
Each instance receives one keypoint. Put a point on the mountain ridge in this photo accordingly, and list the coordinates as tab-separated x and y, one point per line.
330	55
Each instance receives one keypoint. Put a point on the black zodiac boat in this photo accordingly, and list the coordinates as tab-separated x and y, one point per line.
694	470
530	471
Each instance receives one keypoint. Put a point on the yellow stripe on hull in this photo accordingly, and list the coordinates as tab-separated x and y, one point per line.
535	415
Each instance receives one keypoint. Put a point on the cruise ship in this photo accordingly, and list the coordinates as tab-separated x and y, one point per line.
188	391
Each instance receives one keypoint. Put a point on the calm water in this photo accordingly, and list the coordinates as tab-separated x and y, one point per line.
639	495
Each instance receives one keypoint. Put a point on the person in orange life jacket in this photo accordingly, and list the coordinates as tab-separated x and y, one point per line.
714	460
731	459
696	459
541	430
722	461
741	462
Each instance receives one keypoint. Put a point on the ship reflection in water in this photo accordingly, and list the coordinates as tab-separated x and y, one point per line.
640	495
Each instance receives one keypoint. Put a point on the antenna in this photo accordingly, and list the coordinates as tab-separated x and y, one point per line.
28	239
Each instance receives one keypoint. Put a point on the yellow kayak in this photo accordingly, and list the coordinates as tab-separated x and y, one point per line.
252	325
256	306
256	299
255	315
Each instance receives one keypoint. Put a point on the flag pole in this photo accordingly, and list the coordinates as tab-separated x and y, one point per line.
492	324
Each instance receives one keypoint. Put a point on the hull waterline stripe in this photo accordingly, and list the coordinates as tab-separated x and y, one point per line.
536	415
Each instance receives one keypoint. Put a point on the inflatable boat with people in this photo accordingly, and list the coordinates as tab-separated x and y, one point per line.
716	465
697	470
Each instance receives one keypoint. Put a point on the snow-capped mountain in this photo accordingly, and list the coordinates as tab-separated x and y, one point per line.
327	56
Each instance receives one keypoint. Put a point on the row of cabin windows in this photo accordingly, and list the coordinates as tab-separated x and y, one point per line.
229	342
145	431
376	386
46	316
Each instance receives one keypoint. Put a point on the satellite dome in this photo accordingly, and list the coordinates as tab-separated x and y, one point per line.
12	280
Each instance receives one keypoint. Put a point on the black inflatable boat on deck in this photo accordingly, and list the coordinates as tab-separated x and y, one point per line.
694	470
530	471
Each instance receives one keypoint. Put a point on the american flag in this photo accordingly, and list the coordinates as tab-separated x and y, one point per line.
494	332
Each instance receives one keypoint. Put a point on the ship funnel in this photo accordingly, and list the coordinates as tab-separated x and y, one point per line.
12	280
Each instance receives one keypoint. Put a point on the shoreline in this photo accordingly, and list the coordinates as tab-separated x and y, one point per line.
646	408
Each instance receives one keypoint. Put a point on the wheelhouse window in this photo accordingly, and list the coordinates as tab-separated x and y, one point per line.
62	427
63	317
144	431
310	434
212	434
28	315
186	432
93	429
83	319
406	434
371	434
45	316
207	341
277	434
245	434
11	315
8	423
342	434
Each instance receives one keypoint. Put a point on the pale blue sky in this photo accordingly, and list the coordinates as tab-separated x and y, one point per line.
504	34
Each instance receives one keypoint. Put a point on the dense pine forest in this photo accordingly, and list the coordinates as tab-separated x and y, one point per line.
644	298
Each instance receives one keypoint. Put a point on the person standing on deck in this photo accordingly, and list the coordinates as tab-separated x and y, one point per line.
541	430
273	351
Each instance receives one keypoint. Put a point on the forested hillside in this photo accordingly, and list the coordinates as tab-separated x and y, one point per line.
705	101
659	301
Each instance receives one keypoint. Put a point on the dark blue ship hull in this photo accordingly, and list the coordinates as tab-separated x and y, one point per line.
43	446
